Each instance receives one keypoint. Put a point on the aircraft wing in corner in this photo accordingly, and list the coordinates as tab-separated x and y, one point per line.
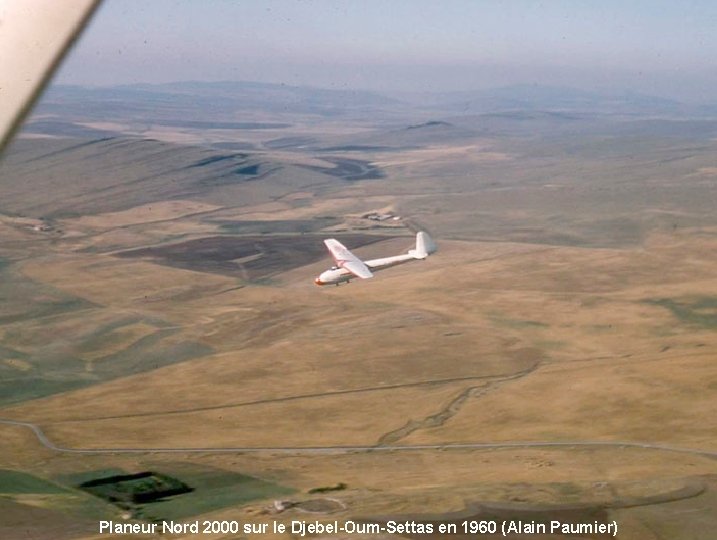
34	37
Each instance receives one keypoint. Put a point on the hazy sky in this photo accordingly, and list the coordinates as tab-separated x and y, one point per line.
666	48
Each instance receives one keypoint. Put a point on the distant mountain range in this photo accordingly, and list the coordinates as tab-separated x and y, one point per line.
527	97
214	99
218	101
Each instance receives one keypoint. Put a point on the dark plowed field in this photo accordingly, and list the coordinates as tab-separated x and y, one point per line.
248	257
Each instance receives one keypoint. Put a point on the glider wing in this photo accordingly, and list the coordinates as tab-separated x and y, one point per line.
345	259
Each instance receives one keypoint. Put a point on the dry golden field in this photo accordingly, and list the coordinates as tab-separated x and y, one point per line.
572	304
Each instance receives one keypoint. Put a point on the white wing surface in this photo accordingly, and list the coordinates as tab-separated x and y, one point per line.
34	37
345	259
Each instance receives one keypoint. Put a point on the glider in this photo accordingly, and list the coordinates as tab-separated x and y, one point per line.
349	266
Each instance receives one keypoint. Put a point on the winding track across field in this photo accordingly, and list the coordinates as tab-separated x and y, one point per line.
47	443
387	443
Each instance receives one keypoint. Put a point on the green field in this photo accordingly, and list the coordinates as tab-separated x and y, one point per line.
698	312
212	489
14	482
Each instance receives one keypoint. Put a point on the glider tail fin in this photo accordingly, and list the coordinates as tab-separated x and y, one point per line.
424	246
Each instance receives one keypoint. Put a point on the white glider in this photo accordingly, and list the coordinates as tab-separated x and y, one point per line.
349	266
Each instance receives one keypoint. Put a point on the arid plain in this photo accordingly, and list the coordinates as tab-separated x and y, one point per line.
159	309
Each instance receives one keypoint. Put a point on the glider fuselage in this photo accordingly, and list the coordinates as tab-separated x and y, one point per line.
348	266
336	275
